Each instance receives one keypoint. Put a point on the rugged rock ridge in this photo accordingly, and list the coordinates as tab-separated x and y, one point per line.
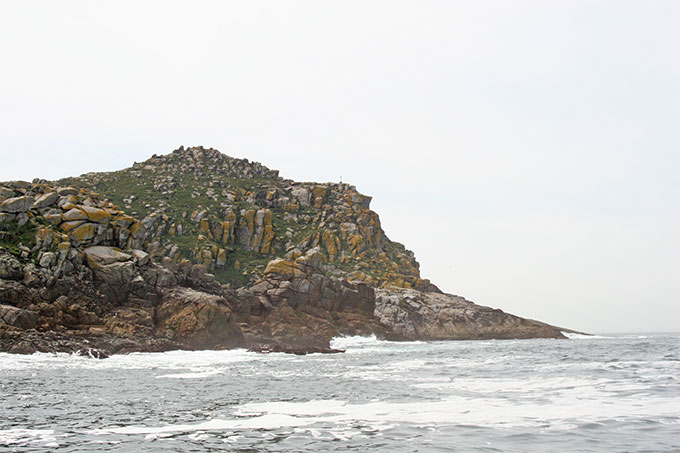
199	250
233	216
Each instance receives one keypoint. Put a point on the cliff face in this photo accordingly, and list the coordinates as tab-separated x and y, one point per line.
199	250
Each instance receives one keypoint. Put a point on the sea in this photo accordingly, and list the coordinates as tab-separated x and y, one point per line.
618	393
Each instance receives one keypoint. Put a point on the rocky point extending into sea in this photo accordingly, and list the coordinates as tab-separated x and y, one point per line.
198	250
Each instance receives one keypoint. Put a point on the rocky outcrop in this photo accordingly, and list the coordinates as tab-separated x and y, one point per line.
295	304
200	320
198	250
415	315
233	216
113	301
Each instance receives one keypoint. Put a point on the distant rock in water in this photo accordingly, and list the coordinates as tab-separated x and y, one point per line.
416	315
198	250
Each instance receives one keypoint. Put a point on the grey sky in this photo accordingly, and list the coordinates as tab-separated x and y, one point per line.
527	152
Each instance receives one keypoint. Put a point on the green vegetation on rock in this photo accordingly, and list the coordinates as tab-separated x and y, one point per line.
233	216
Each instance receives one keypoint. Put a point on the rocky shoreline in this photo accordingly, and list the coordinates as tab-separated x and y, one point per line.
77	273
114	304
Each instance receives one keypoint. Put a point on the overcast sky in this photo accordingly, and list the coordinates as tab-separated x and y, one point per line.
527	151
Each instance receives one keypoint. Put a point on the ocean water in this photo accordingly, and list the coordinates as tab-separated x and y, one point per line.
587	394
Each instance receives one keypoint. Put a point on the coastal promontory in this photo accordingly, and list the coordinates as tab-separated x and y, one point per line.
199	250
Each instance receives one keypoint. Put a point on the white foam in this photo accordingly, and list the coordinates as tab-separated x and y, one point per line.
408	365
20	436
197	375
564	413
580	336
368	344
269	422
354	342
159	360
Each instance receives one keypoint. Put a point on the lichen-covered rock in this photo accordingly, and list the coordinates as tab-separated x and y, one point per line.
284	268
74	214
6	193
67	191
54	217
200	320
71	225
46	200
98	256
16	204
96	215
221	259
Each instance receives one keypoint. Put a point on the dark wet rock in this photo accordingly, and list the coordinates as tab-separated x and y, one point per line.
92	353
293	349
16	317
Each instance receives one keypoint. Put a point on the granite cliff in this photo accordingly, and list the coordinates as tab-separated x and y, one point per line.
197	250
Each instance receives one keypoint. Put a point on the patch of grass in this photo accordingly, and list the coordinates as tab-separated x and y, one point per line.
12	236
232	276
250	263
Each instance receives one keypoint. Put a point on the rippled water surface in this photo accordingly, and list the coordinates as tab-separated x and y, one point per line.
599	394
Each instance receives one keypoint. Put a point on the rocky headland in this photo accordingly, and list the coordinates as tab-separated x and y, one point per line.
198	250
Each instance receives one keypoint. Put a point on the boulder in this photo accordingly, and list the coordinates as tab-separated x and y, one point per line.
98	256
74	214
6	193
84	232
302	195
22	218
70	225
46	200
96	215
114	271
284	268
16	204
47	259
140	257
66	191
16	317
115	280
53	216
68	202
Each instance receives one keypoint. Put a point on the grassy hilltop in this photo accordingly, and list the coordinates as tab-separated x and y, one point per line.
234	216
